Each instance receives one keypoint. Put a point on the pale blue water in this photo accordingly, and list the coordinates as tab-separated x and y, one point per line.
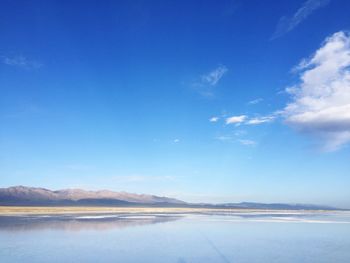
177	238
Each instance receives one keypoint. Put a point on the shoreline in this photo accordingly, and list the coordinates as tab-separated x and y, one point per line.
61	210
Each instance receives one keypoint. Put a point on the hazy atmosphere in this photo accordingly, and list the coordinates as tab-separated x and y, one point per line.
203	101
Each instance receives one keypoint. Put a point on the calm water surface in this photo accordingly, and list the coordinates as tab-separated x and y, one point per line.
252	237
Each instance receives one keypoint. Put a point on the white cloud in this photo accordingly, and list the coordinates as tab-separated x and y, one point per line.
247	142
255	101
176	140
243	119
214	119
321	101
287	24
260	120
208	81
246	120
236	119
22	62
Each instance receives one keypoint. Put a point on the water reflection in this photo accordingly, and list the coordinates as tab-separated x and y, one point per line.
161	238
80	222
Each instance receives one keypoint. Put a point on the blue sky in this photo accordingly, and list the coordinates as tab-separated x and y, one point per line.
213	101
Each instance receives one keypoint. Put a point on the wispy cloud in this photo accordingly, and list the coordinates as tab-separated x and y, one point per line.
255	101
21	62
176	140
213	77
246	120
287	24
247	142
320	103
260	120
235	139
224	138
232	136
208	81
236	119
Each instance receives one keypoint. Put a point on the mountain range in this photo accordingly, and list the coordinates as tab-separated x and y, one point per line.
33	196
21	195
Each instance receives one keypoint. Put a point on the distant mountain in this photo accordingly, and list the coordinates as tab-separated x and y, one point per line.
277	206
21	195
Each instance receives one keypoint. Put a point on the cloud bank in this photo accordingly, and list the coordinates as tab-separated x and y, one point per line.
320	103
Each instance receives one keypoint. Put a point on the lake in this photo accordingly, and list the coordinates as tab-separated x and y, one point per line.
178	238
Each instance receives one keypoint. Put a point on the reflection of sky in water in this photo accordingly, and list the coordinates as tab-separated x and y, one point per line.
78	223
279	237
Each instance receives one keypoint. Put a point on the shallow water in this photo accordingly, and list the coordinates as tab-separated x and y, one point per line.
179	238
